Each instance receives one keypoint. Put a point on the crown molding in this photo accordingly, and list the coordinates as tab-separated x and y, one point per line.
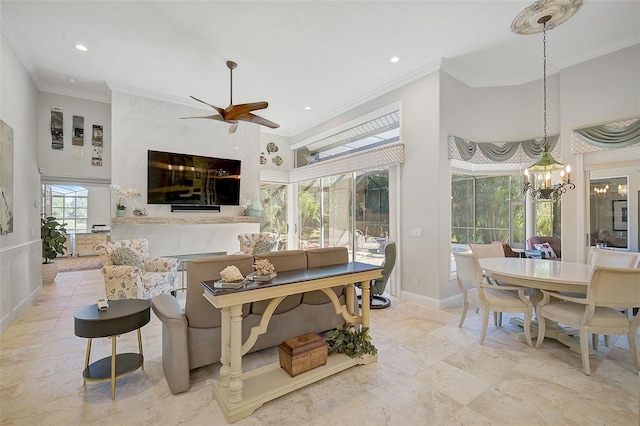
74	93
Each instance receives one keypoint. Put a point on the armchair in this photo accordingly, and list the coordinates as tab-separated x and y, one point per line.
533	251
130	274
378	286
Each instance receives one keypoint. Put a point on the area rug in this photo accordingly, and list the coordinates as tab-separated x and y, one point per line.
78	263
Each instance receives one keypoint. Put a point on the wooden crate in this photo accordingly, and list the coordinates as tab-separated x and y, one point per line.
302	353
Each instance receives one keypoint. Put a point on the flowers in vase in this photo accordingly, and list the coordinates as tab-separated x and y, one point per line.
123	192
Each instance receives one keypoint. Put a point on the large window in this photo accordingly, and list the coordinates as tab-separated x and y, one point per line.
68	204
274	210
486	209
347	210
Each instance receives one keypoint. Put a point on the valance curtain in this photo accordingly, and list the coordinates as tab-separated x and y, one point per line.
606	136
501	152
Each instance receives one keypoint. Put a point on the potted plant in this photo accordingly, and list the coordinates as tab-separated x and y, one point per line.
120	208
346	339
53	238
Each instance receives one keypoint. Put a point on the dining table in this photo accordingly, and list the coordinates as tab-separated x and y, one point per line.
537	275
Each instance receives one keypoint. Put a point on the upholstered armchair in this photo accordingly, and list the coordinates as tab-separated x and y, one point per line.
130	274
264	242
554	251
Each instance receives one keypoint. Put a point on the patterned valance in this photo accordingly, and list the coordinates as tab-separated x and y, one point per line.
619	134
499	152
607	136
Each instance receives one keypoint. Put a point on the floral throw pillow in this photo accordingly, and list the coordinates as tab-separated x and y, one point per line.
547	250
127	257
263	246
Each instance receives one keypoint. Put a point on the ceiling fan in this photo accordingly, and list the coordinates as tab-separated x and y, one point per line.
235	113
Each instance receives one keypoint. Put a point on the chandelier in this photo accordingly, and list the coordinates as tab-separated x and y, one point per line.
547	178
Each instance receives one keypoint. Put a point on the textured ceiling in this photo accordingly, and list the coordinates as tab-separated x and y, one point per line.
327	55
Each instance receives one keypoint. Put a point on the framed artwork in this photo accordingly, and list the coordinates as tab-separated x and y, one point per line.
619	208
6	178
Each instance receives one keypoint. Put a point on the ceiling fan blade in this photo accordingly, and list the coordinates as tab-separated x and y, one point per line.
212	117
252	118
232	111
220	110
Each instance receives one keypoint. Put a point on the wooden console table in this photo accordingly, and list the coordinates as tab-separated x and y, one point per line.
240	394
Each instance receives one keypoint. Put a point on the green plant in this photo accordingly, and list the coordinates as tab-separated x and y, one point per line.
346	339
53	239
120	205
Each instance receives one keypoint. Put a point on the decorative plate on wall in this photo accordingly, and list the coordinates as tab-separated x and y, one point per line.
277	160
272	147
263	159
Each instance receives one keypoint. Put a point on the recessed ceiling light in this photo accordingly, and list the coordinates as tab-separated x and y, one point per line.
394	59
80	47
71	79
307	108
236	147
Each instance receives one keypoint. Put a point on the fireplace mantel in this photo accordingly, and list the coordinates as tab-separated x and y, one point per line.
183	220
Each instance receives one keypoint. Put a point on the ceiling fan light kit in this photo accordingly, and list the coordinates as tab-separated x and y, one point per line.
235	113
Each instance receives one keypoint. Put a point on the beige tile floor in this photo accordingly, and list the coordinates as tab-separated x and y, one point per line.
429	372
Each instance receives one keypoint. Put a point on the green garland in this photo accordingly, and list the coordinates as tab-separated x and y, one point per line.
346	340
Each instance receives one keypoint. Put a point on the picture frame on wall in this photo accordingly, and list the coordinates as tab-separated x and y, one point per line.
619	208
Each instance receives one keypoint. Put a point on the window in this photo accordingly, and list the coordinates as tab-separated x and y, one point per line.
347	210
273	198
486	209
68	204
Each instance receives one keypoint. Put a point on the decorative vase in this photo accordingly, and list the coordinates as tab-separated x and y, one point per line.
49	272
119	213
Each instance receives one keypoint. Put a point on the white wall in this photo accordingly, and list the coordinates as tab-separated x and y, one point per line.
20	251
61	163
140	124
602	90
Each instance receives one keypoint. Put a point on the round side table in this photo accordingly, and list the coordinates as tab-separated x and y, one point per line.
122	317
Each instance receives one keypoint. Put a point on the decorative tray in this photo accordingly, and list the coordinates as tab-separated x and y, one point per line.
227	284
261	278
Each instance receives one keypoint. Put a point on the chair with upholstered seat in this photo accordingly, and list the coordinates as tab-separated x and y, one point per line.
483	251
551	250
377	300
259	243
489	297
610	289
129	273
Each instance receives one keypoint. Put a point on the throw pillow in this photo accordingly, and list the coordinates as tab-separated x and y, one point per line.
263	246
547	250
127	257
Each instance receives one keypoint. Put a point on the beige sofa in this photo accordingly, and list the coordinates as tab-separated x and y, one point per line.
191	338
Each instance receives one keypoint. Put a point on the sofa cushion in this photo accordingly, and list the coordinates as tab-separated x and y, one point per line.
266	241
288	260
127	257
199	311
327	256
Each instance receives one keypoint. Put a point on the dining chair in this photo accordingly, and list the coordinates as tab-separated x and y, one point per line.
489	297
483	251
616	259
610	289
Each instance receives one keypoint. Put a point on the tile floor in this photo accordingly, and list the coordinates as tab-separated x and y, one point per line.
429	372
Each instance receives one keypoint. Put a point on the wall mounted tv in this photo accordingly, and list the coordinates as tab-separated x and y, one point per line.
183	179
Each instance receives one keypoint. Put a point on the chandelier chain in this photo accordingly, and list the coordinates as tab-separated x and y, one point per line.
544	81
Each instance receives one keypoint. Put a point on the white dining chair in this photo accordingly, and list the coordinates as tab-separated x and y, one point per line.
489	297
616	259
610	289
483	251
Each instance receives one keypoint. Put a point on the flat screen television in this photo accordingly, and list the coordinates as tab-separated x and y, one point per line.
183	179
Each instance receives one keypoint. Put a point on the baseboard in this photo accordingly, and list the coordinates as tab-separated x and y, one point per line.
455	300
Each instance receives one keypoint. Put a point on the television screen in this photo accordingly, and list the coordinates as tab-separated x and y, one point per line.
192	179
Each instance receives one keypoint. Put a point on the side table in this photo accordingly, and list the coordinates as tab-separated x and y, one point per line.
122	317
